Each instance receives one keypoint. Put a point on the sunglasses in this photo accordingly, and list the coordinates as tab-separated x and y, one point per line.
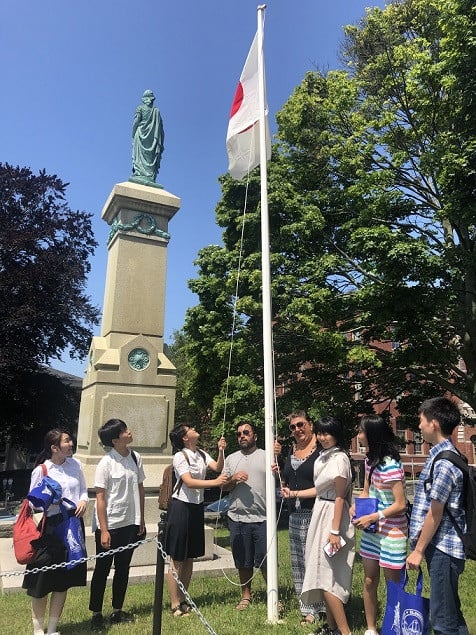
245	433
298	425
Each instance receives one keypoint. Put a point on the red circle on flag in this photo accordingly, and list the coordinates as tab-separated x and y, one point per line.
237	100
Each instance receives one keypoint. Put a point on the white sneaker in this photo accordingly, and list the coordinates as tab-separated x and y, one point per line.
370	631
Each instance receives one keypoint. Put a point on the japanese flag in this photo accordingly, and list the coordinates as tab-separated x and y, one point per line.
242	139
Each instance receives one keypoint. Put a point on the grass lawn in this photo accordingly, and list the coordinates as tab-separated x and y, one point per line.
216	599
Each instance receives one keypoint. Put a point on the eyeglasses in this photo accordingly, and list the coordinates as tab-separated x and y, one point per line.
298	425
245	433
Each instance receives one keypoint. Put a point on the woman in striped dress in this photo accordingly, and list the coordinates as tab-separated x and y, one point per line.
385	481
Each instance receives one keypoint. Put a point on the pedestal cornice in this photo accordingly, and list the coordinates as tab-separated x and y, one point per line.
140	198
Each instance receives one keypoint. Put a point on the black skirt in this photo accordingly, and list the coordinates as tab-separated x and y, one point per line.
52	551
185	533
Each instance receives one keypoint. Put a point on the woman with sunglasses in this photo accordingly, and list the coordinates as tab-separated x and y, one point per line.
298	474
185	533
330	538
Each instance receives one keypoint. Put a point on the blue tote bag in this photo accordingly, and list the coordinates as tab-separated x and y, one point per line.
406	613
71	532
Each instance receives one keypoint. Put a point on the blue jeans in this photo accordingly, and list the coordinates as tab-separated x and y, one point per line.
445	606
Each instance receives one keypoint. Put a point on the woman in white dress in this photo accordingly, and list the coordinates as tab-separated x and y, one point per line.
329	577
61	466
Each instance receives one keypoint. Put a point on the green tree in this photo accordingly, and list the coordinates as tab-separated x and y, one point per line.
44	260
372	208
176	351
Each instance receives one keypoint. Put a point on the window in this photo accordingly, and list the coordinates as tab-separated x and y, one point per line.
418	439
401	430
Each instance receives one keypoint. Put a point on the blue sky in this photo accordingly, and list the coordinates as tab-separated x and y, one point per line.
74	72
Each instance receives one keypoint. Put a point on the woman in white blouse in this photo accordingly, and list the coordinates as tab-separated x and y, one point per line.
185	534
57	456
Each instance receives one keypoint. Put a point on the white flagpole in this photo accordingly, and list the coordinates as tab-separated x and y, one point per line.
272	558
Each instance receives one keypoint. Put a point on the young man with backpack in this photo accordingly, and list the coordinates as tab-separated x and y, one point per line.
432	534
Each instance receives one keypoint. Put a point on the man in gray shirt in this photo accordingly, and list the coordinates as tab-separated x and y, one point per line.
246	470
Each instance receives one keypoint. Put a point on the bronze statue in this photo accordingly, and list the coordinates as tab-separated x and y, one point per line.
147	141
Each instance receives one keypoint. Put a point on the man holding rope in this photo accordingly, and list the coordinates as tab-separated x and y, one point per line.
246	470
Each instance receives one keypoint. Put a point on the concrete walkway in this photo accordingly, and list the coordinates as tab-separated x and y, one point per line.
215	562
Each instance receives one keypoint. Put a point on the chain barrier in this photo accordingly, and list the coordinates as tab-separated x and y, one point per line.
184	591
62	565
103	554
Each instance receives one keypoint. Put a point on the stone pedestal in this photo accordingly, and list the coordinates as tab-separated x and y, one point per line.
128	375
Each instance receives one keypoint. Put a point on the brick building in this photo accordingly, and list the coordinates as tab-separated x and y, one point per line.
413	449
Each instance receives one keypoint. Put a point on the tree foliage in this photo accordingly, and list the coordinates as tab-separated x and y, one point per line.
372	208
44	260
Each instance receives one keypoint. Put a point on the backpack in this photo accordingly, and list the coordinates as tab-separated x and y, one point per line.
170	485
469	499
25	530
134	457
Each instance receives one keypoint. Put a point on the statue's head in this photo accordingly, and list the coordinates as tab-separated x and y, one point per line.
148	97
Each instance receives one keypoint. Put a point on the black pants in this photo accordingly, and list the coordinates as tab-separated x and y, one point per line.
122	560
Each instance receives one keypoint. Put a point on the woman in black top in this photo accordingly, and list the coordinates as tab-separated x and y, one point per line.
298	474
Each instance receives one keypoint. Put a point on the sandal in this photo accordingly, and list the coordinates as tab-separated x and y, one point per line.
308	619
243	604
177	611
185	607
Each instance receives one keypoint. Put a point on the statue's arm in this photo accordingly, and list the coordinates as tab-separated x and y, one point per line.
137	120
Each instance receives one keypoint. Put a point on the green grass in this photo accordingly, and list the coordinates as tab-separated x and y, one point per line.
216	599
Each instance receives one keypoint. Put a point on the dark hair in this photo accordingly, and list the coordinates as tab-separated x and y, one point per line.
333	426
247	423
442	410
111	430
52	437
380	438
176	436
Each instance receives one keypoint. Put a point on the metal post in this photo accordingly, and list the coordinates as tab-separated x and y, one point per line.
159	578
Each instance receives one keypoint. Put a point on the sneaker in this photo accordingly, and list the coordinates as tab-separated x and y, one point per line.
121	617
97	622
370	631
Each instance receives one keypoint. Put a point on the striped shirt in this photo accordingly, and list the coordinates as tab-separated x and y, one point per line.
383	479
389	544
446	488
